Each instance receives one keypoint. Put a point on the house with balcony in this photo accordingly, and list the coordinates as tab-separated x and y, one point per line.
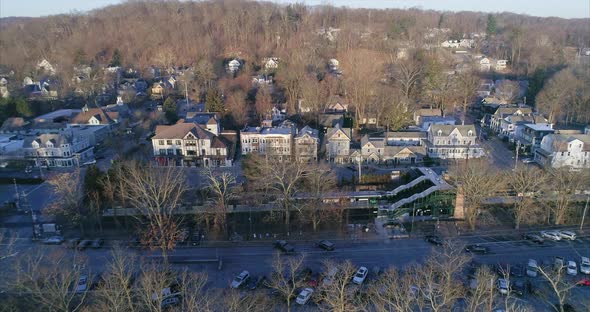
190	144
564	150
453	142
62	149
274	142
531	135
306	144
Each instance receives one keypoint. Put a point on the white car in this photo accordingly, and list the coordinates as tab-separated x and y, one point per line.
82	285
502	285
360	275
240	280
53	240
567	234
304	296
585	265
552	235
532	268
572	268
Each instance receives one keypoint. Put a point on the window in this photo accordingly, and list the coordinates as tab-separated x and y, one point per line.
160	142
178	142
169	142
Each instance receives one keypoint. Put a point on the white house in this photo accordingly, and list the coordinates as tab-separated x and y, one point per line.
190	144
233	66
563	150
271	63
453	142
338	144
274	142
306	142
484	64
57	150
500	65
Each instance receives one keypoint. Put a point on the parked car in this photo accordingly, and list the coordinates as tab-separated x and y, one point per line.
516	271
53	240
196	237
532	268
256	282
585	265
564	234
329	277
534	238
284	246
558	263
304	296
97	243
170	301
360	275
477	248
552	235
82	284
433	239
240	280
584	282
572	268
84	244
303	274
73	243
502	285
518	287
326	245
528	160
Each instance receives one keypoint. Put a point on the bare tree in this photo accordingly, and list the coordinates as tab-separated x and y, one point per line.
222	187
336	295
475	181
232	301
564	184
406	74
264	103
68	196
395	291
555	288
466	87
284	278
116	291
527	182
280	178
319	181
52	280
507	91
482	290
156	193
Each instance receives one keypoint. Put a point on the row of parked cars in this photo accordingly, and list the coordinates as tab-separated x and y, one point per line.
287	248
75	243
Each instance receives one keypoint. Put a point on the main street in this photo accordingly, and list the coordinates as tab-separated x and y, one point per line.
505	249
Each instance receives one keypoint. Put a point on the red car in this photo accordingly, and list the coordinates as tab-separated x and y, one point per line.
584	282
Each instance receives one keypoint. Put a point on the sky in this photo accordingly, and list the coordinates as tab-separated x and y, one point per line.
559	8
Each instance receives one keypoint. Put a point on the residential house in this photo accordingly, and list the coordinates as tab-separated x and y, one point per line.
278	114
500	65
306	143
513	124
334	67
453	142
426	112
484	64
274	142
338	144
189	144
161	89
4	88
209	121
502	112
262	80
564	150
405	138
46	67
57	150
94	117
426	122
271	63
391	152
233	66
532	135
336	105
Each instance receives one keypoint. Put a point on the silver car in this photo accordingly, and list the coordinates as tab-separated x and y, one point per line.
552	235
567	234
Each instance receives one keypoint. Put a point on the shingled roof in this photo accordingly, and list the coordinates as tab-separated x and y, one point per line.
180	130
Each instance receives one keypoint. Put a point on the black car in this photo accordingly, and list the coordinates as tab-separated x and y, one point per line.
519	287
326	245
256	282
84	244
477	249
533	238
433	239
284	246
303	274
97	243
517	271
195	239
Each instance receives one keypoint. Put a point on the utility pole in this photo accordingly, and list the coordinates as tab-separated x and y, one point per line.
360	160
516	158
584	214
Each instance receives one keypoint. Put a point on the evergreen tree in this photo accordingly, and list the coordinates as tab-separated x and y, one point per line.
491	25
170	110
214	100
23	108
116	60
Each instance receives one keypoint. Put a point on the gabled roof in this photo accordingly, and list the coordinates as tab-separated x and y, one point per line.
104	118
55	139
446	130
560	141
13	123
181	130
502	112
392	151
308	131
334	131
202	118
428	112
376	142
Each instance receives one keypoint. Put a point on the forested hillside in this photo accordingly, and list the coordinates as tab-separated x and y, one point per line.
204	34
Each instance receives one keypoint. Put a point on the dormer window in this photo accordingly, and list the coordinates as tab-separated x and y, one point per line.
470	133
439	133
